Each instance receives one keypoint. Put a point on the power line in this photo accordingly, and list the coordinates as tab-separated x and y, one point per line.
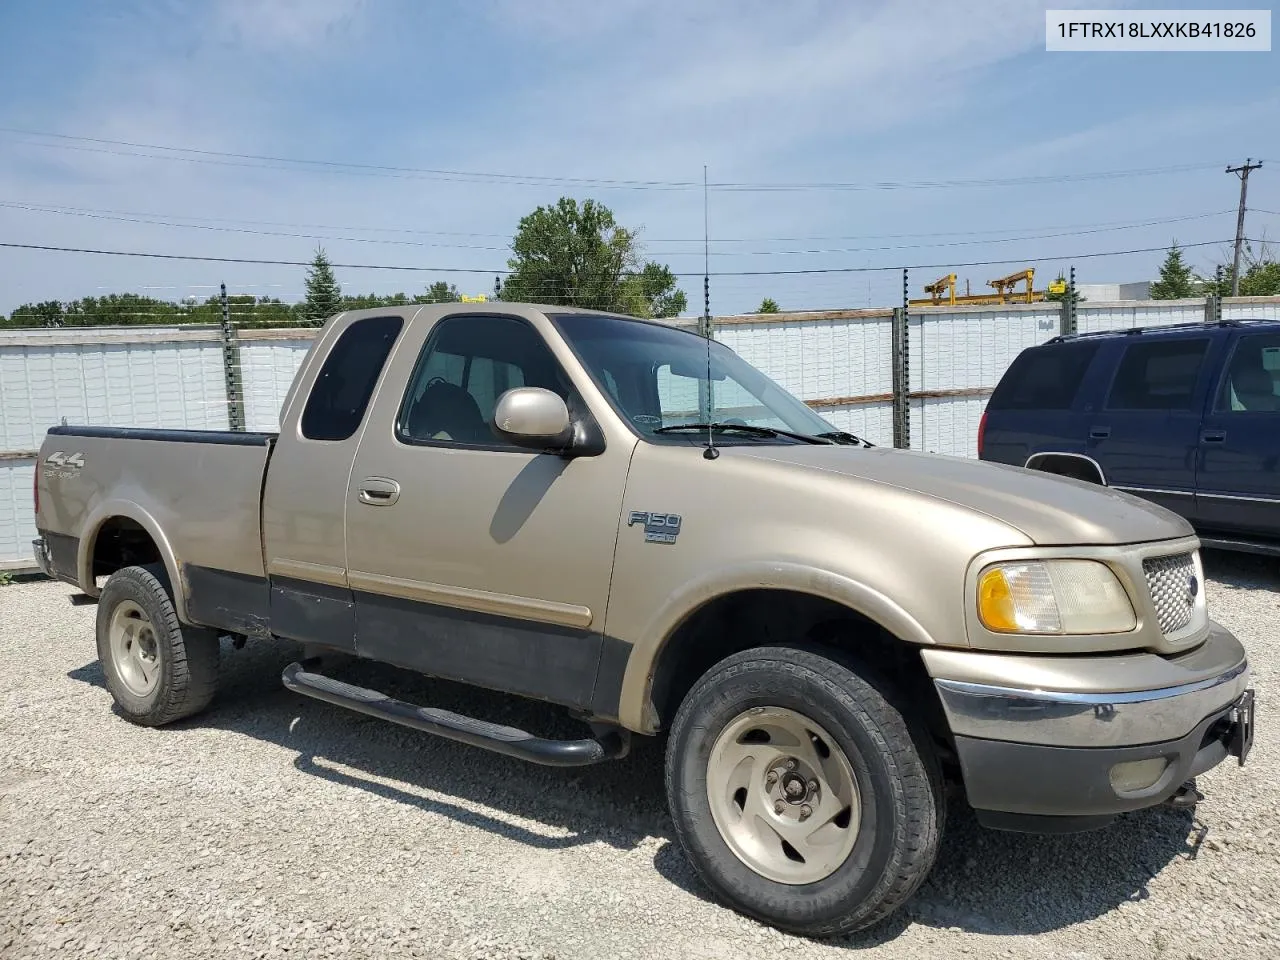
953	243
12	205
39	206
172	222
265	161
725	273
245	260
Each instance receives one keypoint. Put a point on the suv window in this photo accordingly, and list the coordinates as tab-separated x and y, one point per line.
467	363
342	390
1158	375
1044	378
1253	377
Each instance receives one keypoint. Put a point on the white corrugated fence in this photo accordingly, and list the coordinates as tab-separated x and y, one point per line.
840	362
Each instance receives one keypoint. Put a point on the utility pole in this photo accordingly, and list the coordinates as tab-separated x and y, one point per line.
1243	173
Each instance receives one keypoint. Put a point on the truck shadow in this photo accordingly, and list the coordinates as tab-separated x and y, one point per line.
990	882
619	803
1241	571
984	881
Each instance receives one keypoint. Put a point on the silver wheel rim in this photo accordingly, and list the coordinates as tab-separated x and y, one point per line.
783	795
135	653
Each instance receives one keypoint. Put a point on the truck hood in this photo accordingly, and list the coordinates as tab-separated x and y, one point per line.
1048	510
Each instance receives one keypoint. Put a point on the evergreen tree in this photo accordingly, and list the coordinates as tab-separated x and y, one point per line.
324	296
768	305
1062	297
1175	281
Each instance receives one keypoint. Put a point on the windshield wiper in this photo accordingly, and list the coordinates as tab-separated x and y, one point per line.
741	428
841	436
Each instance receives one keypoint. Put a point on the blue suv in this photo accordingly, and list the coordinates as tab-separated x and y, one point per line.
1187	416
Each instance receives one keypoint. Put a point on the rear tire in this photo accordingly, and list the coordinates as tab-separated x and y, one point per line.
157	669
799	794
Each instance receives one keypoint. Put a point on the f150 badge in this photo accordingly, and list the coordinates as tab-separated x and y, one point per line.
658	527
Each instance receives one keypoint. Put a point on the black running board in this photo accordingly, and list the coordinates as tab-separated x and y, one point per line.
454	726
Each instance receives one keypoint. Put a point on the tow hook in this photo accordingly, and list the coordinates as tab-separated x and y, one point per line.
1186	796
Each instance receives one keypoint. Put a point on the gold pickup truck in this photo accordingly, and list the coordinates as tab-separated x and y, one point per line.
625	519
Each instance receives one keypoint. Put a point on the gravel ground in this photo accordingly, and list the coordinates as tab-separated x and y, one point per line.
276	826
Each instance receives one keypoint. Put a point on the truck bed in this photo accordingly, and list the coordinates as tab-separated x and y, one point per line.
196	492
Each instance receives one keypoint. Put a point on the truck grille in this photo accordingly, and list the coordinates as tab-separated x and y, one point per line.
1174	587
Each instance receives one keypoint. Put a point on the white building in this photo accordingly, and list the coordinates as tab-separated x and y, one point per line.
1111	292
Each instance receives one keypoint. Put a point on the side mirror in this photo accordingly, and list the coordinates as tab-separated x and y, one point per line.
534	418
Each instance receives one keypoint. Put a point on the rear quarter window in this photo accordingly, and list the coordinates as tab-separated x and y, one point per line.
1158	375
345	383
1044	378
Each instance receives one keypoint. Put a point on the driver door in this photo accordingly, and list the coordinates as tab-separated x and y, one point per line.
472	559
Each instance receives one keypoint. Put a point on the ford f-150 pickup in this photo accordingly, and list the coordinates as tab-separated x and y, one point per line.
625	519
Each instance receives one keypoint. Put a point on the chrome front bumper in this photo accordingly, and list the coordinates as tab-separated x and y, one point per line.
1054	749
1061	711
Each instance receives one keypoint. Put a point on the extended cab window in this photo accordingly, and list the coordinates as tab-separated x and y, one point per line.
1158	375
1044	378
342	390
467	363
1252	382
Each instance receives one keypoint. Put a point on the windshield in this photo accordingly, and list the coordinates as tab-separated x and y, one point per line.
656	377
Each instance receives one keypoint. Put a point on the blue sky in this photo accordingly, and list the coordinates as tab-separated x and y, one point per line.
800	92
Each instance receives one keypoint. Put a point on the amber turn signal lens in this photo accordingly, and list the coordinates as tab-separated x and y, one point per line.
995	602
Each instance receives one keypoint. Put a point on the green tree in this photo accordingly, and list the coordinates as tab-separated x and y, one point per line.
580	256
324	296
1259	274
651	292
1176	282
367	301
1062	297
48	313
1262	279
439	292
767	305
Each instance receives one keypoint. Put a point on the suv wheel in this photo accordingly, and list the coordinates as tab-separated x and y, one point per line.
799	794
157	669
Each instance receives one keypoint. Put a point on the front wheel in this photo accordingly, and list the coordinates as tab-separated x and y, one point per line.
799	794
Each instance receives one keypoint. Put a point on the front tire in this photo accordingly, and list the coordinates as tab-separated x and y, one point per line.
799	794
157	669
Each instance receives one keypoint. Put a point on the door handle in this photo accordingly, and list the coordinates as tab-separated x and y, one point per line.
378	492
1213	436
1099	433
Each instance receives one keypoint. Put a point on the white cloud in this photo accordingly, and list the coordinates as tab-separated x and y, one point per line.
296	24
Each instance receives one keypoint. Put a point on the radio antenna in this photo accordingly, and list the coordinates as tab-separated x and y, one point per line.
710	452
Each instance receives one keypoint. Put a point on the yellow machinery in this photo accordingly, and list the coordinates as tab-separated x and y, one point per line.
940	288
942	292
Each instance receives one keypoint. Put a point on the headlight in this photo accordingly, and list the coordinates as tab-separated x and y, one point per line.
1053	596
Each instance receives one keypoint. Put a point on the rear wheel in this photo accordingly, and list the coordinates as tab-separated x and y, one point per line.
157	669
799	794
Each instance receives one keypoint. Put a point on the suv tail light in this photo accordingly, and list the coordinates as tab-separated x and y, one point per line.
35	486
982	432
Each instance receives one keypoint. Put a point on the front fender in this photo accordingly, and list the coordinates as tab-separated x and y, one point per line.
126	508
635	711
